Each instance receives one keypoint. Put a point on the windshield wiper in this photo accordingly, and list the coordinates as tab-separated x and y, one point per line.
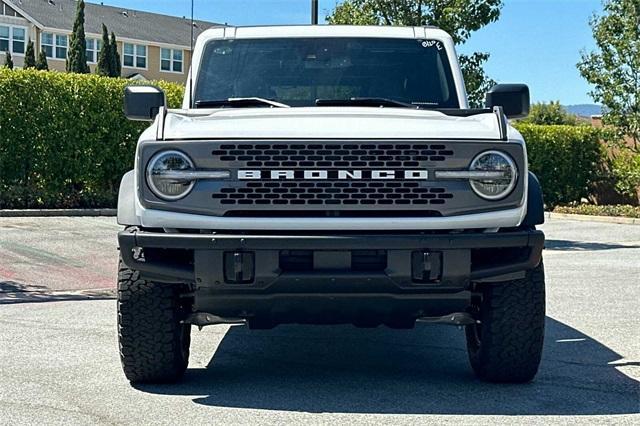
239	103
372	102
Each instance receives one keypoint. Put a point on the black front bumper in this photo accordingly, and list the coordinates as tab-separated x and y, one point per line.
316	278
204	260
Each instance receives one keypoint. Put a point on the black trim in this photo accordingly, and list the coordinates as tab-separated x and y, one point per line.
531	240
535	203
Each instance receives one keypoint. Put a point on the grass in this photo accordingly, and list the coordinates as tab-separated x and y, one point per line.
593	210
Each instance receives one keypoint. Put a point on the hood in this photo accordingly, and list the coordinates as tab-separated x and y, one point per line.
328	122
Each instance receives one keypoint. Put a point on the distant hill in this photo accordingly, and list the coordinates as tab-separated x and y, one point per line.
584	110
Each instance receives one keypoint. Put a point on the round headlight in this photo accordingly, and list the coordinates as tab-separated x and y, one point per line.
498	185
163	182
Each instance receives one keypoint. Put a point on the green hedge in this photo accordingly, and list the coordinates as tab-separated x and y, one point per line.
64	141
568	160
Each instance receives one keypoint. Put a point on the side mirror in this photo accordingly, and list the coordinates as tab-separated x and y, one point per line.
513	98
142	103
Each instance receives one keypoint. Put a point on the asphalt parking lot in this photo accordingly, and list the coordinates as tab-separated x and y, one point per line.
60	365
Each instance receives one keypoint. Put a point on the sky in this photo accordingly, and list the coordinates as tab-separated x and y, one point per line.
537	42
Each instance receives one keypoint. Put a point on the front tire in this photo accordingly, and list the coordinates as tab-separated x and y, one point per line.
154	343
506	346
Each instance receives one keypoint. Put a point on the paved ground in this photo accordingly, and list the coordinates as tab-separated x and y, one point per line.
60	365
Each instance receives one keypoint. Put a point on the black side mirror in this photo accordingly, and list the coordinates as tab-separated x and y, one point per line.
513	98
142	103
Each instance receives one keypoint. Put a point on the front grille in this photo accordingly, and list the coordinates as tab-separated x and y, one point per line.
333	155
331	178
333	194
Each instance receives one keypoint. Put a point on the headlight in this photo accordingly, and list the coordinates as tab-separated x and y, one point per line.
502	177
163	179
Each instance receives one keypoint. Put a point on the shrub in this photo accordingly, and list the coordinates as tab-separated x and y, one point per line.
64	141
550	114
625	168
568	160
592	210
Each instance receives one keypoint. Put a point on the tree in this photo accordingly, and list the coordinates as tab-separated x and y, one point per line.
30	56
550	114
77	57
116	66
104	57
614	67
42	63
459	18
8	60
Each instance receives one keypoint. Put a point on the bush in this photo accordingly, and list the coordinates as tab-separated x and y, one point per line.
592	210
568	160
64	141
625	168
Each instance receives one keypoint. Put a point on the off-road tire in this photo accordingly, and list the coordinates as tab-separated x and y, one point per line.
506	347
154	344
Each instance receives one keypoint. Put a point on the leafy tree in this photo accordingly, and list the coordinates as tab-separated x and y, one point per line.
77	57
8	60
116	66
550	114
458	18
104	56
30	56
614	67
42	63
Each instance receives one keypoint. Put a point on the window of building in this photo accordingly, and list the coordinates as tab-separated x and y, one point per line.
7	11
134	56
171	60
93	49
12	39
54	45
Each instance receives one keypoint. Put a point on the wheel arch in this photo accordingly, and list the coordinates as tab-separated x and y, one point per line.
535	203
127	201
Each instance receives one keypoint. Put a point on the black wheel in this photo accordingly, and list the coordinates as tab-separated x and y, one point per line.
154	344
506	347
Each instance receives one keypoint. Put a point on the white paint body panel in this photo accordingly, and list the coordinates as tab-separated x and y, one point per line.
329	122
321	123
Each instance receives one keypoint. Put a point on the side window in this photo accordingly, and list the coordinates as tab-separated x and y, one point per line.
19	36
13	39
93	49
134	55
171	60
4	38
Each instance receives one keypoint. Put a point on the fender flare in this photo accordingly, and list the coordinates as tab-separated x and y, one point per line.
127	201
535	203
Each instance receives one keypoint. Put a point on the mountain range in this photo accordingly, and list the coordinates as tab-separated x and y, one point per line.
584	110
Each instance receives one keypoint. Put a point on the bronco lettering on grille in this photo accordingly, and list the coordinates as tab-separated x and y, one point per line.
281	174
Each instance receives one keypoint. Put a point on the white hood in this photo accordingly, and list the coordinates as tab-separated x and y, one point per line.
328	122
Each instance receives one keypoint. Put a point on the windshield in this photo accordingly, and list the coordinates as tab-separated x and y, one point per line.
299	71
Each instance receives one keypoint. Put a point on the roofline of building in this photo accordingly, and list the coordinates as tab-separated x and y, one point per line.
24	14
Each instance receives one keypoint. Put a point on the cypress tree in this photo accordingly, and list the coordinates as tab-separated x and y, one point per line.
116	66
30	56
104	57
77	57
8	60
42	63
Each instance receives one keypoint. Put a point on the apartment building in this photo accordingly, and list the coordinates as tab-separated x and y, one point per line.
151	46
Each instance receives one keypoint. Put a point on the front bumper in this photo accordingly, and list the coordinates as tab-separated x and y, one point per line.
204	252
317	278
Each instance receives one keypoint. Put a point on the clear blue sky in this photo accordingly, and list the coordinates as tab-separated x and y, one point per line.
537	42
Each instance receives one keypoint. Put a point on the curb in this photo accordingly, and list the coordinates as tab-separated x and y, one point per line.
589	218
59	213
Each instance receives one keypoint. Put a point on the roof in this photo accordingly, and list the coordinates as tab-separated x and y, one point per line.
125	23
229	32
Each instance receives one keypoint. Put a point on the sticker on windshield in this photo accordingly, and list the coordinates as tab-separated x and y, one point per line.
433	43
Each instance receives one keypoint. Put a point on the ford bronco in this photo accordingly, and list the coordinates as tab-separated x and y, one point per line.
330	175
